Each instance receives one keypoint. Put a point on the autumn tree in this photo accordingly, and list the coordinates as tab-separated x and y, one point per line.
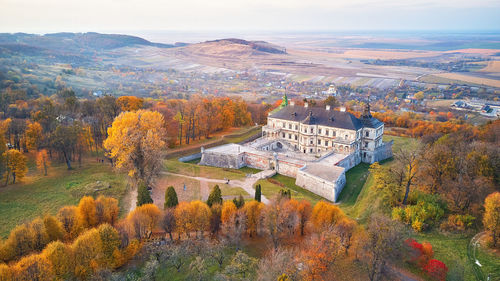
54	228
491	218
171	198
61	259
215	218
107	210
129	103
64	140
383	244
215	196
167	221
86	212
33	267
200	214
33	135
68	216
136	143
304	211
86	248
144	219
183	219
15	166
280	262
253	211
42	161
325	215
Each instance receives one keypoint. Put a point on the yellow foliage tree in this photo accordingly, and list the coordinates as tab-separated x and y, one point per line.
325	215
5	272
86	212
183	218
491	218
54	228
200	214
129	103
136	143
15	165
68	216
228	211
253	211
87	248
33	267
33	135
144	219
107	210
42	161
61	258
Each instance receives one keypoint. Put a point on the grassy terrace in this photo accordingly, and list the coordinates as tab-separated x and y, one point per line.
38	195
272	186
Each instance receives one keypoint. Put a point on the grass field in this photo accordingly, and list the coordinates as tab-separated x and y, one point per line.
271	190
38	195
191	193
230	191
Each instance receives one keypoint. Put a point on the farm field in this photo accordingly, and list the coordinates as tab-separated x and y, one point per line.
469	79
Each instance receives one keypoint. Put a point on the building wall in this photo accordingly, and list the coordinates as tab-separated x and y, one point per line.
257	161
384	151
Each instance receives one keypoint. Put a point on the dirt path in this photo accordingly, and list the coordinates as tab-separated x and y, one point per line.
132	198
204	191
247	184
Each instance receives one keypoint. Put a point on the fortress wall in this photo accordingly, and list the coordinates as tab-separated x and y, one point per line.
257	161
234	161
384	151
350	161
327	189
288	169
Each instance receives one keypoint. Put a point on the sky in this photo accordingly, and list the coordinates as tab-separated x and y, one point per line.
44	16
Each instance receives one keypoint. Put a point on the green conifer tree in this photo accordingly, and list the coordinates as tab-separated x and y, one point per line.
258	193
171	199
143	195
215	196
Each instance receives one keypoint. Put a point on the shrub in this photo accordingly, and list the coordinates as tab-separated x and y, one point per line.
458	223
427	211
436	269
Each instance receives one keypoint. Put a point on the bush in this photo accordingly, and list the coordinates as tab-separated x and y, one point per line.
458	223
427	211
436	269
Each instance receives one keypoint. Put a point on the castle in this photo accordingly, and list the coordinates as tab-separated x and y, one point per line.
312	144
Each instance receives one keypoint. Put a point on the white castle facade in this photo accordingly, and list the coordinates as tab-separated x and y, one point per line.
314	145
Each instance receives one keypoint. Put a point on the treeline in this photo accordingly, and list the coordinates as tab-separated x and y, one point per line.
444	181
76	243
66	128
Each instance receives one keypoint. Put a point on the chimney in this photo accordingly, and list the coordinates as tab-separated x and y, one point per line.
292	103
342	109
327	107
306	104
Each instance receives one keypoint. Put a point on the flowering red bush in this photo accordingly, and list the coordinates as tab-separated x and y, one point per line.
436	269
419	254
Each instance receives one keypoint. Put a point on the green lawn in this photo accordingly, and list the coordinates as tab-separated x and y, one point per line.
270	190
228	190
239	138
39	195
195	170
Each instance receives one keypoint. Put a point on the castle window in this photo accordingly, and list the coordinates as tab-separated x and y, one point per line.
311	130
283	124
283	135
334	133
319	141
290	136
326	143
366	144
346	136
311	142
290	126
311	150
367	133
319	131
295	137
296	127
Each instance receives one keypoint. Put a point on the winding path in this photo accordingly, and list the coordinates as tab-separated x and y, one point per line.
247	184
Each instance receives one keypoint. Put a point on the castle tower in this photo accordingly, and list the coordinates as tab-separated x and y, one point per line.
366	111
284	101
